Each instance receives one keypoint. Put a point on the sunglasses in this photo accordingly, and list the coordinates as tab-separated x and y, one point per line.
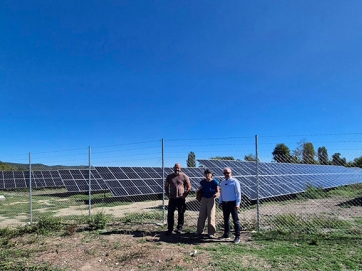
227	172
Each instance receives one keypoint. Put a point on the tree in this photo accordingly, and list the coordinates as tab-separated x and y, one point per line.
191	159
323	156
298	152
357	162
337	160
250	157
308	153
281	153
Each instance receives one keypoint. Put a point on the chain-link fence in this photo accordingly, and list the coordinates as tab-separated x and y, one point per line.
300	183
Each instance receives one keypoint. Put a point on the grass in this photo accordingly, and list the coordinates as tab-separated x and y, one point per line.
278	251
273	250
313	192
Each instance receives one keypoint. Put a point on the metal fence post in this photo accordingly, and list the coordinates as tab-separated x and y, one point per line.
257	183
30	191
163	182
90	182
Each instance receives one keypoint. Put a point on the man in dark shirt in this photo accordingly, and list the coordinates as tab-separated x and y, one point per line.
177	187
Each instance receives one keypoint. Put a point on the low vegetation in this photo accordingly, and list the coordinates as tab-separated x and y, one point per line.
30	248
133	241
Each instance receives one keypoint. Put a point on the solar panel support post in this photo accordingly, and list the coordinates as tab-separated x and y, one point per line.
30	191
257	183
89	180
163	182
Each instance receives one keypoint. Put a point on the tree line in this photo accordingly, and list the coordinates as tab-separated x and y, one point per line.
304	154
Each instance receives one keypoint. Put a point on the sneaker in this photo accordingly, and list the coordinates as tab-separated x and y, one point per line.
178	231
237	240
211	236
196	234
168	233
225	237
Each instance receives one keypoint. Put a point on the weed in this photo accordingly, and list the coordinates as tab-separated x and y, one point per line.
47	224
99	221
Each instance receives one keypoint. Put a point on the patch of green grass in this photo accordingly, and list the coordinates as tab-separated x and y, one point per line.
309	252
137	218
18	260
281	251
311	224
313	192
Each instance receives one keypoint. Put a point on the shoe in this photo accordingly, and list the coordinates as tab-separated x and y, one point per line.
225	237
168	233
237	240
211	236
178	231
196	234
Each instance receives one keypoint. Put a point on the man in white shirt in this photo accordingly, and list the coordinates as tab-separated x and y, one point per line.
230	199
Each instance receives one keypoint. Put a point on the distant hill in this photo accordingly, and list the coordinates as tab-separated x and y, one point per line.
19	166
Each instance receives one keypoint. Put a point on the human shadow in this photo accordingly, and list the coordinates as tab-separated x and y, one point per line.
161	236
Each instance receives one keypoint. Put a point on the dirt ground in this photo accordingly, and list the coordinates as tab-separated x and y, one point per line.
114	250
120	249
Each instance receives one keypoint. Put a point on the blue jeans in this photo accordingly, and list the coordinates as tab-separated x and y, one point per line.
180	205
228	208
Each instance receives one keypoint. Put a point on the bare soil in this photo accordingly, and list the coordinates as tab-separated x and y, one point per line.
113	250
127	249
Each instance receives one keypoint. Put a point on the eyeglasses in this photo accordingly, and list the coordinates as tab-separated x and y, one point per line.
226	172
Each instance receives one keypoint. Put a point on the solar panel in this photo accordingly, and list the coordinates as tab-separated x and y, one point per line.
14	180
152	172
2	185
46	178
133	181
77	180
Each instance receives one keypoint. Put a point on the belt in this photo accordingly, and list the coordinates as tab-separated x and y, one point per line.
229	201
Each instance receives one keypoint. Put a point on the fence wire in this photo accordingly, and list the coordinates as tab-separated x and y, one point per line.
314	209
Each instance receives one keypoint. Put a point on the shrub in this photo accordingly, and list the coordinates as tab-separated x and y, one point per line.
98	221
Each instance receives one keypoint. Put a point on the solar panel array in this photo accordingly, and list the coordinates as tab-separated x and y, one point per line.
134	181
46	178
121	181
13	179
274	179
77	180
279	179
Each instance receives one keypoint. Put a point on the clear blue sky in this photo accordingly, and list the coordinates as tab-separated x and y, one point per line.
75	74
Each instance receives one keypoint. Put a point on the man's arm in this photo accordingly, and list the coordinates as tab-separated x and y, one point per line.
167	189
237	193
187	187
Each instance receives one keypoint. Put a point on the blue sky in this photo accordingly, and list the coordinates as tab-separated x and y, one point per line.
75	74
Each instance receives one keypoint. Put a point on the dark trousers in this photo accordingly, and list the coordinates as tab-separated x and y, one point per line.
180	205
227	209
